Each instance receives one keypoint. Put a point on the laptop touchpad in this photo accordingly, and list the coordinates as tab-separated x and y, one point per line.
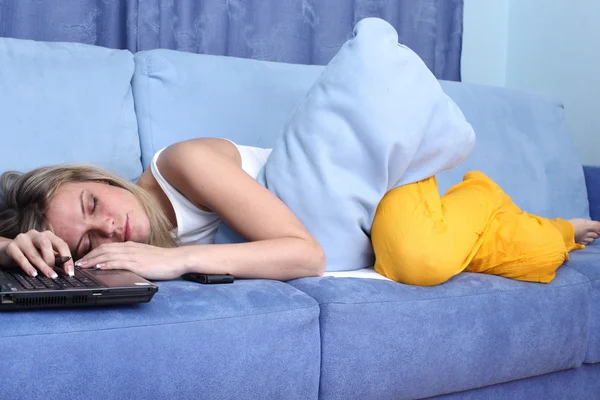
115	278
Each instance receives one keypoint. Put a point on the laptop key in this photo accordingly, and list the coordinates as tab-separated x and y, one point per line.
49	283
28	282
62	282
4	287
34	282
88	282
9	284
23	281
73	281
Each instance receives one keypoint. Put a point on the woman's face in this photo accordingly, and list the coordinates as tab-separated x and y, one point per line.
88	214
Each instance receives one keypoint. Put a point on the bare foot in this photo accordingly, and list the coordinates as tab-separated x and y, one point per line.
586	231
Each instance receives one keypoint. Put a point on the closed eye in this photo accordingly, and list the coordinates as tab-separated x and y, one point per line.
94	205
90	243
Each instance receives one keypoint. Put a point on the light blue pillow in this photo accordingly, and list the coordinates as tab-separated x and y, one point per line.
375	117
67	103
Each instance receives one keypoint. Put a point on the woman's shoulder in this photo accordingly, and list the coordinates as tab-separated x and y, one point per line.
174	167
194	149
179	157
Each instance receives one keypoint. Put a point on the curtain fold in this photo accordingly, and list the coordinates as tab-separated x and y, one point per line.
294	31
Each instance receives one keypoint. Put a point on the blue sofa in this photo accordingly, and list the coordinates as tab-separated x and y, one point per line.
474	337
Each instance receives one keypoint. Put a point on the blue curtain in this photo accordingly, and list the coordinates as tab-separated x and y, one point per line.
295	31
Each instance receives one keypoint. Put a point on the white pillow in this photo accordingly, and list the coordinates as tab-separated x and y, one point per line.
376	117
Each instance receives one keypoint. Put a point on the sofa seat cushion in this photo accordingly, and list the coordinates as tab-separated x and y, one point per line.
382	339
578	383
587	262
242	340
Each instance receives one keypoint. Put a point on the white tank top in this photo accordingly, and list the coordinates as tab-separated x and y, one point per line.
196	226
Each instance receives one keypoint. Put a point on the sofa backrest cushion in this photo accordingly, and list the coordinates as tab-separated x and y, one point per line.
522	138
67	103
181	96
523	143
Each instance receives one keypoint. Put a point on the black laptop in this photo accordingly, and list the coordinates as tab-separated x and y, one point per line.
89	287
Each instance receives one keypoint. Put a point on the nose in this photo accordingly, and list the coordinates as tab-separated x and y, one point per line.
105	227
102	229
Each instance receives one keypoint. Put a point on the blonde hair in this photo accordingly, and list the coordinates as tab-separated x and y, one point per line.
24	199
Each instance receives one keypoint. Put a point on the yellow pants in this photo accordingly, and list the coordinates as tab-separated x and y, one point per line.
422	238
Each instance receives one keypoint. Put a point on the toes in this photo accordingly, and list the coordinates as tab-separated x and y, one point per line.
590	237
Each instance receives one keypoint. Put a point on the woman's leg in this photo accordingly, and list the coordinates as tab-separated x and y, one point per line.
525	247
423	239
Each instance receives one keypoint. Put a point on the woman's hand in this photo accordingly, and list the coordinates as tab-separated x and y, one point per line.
147	261
36	251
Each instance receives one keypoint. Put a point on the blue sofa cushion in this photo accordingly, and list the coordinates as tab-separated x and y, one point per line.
523	143
522	138
67	103
243	340
181	96
382	339
587	262
579	383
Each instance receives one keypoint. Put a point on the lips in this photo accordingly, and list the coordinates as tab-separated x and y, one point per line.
127	230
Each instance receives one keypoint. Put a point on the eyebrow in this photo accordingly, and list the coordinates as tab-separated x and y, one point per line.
82	213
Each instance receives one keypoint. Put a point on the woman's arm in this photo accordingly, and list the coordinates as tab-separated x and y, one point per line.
278	247
280	259
208	172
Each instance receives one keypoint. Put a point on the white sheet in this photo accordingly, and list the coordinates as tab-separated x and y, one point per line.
359	273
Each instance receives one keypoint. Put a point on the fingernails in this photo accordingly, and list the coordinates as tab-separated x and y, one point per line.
79	263
34	274
71	271
98	266
54	275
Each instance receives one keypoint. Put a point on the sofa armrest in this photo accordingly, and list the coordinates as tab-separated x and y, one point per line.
592	180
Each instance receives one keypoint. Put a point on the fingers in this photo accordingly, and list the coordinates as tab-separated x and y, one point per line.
35	251
15	253
62	248
112	256
24	247
43	244
116	264
105	252
121	264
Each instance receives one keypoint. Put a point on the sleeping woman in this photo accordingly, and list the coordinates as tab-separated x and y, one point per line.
379	110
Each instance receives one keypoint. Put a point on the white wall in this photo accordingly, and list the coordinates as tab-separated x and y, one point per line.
549	45
485	41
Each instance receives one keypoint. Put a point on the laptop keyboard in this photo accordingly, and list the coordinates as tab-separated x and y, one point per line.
62	282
